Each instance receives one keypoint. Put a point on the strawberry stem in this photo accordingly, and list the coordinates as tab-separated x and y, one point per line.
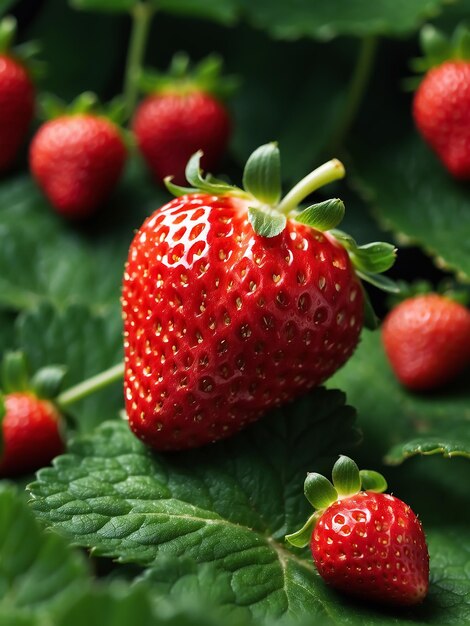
142	14
356	90
326	173
90	386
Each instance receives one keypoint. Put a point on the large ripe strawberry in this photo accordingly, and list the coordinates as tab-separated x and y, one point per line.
77	159
234	302
30	422
364	543
16	97
441	105
182	114
427	340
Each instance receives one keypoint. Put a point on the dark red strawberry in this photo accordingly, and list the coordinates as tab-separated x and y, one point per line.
231	308
181	115
441	105
31	434
16	98
427	340
364	543
30	422
77	160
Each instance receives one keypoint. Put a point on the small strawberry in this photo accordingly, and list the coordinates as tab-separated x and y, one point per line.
441	105
234	302
364	543
427	340
77	158
30	422
16	97
181	115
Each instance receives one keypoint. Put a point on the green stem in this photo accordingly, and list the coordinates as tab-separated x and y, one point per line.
326	173
357	86
141	19
87	387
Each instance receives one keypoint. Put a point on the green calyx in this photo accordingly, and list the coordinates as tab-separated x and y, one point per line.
437	47
15	377
86	103
347	479
269	213
183	79
25	53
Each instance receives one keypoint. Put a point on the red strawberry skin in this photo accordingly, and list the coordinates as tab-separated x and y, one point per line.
441	109
77	160
171	127
16	108
31	436
221	324
427	340
372	545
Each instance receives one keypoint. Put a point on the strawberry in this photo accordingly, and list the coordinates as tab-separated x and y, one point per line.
234	302
427	340
31	434
181	115
77	159
364	543
30	422
441	105
16	97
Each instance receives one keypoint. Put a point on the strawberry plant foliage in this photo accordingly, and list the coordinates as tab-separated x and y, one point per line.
408	423
228	505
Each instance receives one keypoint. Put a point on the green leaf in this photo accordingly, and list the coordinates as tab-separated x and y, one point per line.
397	421
223	11
227	504
266	222
325	20
86	343
39	571
322	216
371	258
7	32
319	491
412	194
372	481
209	184
262	174
346	477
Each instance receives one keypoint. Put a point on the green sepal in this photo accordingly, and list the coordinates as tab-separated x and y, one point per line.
262	174
7	33
50	107
209	184
345	474
381	282
302	537
178	190
322	216
319	491
266	222
14	372
47	382
375	258
371	321
438	48
182	78
373	481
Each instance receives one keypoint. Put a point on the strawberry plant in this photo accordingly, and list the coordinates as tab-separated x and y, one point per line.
192	359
